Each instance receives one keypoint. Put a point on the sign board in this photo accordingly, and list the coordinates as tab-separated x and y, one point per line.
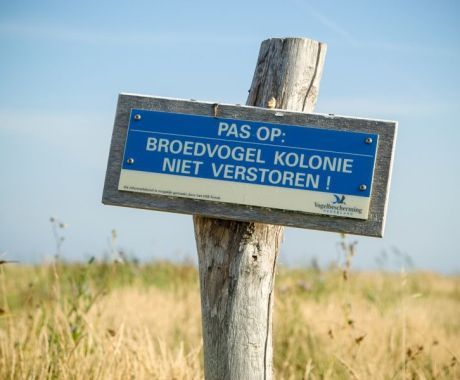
286	167
251	164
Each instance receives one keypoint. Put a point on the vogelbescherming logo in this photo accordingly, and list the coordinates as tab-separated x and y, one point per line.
339	200
338	207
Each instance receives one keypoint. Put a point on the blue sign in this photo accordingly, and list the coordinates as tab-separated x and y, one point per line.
329	169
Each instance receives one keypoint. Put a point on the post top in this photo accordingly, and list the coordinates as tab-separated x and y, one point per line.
292	39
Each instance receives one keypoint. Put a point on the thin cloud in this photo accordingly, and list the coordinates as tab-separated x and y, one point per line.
336	28
348	39
67	33
61	132
328	23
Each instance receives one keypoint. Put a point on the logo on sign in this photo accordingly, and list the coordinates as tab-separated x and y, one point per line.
339	200
338	207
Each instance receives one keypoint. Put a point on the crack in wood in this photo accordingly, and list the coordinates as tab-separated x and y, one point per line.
318	56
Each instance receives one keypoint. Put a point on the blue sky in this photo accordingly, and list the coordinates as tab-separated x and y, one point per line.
63	64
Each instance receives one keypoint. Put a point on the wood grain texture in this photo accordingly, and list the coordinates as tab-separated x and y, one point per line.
292	80
237	260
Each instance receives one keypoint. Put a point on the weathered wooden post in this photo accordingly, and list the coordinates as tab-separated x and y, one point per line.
237	260
253	167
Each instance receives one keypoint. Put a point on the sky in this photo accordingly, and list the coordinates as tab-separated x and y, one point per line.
63	64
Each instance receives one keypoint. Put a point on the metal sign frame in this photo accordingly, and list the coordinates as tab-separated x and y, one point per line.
373	226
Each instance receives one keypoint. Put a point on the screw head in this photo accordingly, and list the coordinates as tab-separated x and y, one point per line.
137	117
362	187
130	161
368	140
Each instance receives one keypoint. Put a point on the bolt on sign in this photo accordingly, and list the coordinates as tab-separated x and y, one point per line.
254	164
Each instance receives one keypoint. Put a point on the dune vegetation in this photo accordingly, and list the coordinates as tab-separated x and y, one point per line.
104	320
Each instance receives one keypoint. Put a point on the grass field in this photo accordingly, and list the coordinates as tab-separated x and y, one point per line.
131	321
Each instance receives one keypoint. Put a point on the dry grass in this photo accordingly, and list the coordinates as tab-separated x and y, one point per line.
127	321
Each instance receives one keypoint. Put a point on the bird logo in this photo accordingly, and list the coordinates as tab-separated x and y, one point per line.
339	200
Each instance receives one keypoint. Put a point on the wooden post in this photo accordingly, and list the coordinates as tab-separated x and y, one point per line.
237	260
